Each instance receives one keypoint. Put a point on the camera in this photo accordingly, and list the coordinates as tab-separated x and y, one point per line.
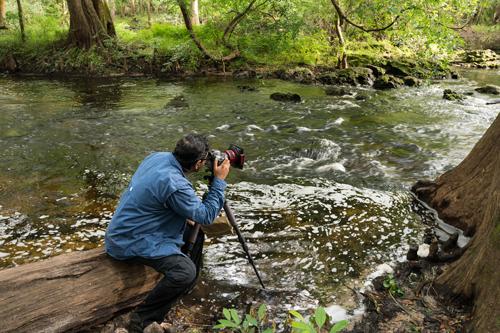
234	154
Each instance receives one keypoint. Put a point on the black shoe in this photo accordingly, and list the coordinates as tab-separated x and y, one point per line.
136	324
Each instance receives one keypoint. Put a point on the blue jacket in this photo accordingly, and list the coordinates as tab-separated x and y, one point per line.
150	219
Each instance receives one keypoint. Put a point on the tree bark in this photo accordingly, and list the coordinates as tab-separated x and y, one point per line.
148	5
90	23
468	196
21	21
70	292
2	13
195	16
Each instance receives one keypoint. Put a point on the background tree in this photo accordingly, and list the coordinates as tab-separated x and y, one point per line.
468	197
21	20
2	13
90	23
195	16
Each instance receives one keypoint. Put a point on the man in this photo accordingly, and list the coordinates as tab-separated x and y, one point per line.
149	223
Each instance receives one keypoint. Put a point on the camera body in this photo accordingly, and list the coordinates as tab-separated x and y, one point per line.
234	154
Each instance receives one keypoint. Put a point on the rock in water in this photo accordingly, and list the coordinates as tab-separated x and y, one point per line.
286	97
489	89
453	95
178	102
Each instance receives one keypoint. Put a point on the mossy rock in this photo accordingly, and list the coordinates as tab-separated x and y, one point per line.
489	89
387	82
453	95
281	72
353	76
360	60
478	56
244	74
302	75
286	97
377	71
402	67
337	91
412	81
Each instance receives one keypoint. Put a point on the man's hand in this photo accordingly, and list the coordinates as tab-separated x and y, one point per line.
222	170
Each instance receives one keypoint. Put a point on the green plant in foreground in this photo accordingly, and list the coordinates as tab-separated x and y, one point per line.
391	285
319	318
251	324
255	322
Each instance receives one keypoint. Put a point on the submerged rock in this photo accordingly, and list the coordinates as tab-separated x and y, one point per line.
489	89
337	91
353	76
386	82
286	97
412	81
362	97
453	95
247	88
178	102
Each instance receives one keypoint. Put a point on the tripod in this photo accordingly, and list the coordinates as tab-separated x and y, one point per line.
232	220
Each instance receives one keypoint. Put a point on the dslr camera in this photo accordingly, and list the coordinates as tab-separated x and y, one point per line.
234	154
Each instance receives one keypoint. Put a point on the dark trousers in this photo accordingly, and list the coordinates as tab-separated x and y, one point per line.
180	277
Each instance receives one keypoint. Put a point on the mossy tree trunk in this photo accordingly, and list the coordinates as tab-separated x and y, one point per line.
468	197
90	23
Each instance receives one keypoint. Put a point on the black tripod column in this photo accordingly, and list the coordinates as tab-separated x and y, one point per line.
232	220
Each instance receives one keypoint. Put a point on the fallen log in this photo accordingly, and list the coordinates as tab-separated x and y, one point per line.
70	292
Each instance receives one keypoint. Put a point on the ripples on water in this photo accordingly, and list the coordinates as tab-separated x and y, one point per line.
322	200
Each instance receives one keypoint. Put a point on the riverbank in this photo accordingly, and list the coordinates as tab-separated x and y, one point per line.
415	307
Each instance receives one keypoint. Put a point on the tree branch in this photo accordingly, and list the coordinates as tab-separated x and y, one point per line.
344	17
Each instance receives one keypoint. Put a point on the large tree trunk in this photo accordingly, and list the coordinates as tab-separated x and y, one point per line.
460	195
90	23
70	292
468	197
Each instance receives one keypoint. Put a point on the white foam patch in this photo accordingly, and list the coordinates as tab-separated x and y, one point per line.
337	313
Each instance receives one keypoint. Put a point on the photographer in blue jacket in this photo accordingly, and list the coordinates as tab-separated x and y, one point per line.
149	223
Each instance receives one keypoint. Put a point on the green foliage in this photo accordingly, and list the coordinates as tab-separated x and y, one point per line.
252	322
390	284
256	322
319	320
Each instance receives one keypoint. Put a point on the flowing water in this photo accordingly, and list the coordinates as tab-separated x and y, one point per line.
322	201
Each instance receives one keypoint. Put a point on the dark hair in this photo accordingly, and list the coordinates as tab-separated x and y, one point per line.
190	150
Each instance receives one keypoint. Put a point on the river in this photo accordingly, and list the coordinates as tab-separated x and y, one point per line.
322	201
